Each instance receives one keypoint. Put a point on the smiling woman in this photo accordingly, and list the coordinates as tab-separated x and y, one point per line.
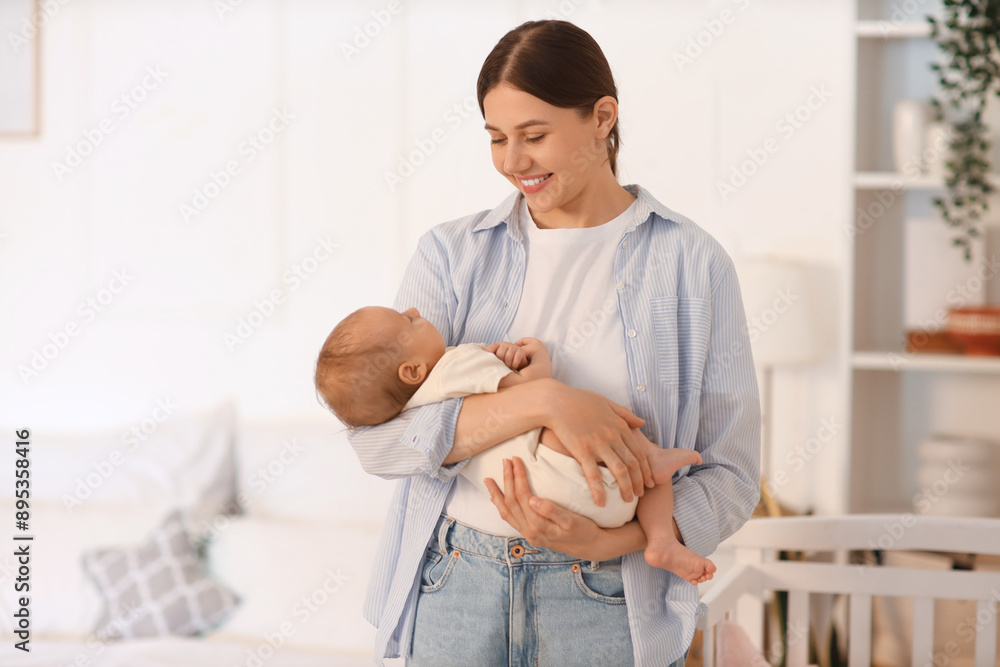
514	578
554	130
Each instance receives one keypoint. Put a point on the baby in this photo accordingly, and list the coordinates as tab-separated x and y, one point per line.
378	362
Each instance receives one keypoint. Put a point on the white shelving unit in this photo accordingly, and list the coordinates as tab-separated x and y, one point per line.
898	398
895	361
887	29
888	180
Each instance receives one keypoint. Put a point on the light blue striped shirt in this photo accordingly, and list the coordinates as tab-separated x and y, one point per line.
692	379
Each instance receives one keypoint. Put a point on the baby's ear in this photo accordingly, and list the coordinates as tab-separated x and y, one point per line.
412	372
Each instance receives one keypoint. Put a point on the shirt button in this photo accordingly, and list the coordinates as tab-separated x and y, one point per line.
641	387
620	285
631	333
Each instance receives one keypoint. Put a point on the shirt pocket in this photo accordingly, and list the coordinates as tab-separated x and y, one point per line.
682	328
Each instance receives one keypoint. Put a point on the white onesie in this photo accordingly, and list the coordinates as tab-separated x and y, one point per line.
471	369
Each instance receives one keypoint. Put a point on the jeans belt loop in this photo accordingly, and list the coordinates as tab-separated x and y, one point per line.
443	535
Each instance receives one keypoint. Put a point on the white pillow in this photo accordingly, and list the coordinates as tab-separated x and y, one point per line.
185	460
304	581
63	602
305	470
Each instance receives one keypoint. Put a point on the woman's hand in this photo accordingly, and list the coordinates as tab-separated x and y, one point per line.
595	429
545	524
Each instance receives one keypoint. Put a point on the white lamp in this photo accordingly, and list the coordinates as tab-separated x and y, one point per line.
782	322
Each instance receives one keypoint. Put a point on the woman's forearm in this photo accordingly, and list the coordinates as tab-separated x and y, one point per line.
489	419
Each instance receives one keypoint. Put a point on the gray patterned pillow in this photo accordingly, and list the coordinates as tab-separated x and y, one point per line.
157	588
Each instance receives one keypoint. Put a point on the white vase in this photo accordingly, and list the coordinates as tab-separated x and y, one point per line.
936	151
909	128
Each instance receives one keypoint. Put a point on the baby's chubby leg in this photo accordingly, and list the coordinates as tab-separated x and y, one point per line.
663	463
655	513
655	509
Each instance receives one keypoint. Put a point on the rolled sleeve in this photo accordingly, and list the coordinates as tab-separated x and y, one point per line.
433	436
414	443
695	516
716	498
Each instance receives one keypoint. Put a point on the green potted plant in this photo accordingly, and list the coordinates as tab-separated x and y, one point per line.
968	34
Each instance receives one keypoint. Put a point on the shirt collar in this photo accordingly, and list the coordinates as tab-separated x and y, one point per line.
507	210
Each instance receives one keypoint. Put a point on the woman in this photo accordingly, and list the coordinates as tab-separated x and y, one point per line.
642	312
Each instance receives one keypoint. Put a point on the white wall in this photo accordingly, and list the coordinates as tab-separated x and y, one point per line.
323	177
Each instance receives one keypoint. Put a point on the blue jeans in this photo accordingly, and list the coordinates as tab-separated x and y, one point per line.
491	601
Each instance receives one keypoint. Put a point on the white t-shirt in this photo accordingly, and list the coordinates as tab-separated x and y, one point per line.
569	302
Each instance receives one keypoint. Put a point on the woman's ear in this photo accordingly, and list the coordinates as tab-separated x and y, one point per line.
412	372
606	113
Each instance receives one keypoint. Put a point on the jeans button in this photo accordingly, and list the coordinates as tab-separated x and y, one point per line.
516	551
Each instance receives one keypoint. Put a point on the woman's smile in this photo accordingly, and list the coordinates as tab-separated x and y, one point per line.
533	184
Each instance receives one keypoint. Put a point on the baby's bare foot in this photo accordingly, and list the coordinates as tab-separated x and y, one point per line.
665	462
677	558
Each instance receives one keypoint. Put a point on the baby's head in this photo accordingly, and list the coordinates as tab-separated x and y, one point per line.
373	361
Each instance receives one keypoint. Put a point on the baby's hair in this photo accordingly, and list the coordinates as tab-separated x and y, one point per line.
356	373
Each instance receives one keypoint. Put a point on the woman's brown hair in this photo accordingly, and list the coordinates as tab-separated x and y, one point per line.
557	62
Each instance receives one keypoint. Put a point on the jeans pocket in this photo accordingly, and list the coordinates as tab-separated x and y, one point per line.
603	583
435	570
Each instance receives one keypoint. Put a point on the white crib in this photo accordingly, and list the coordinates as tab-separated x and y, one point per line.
739	594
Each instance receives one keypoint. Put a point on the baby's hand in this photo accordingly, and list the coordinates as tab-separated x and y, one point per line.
510	354
531	346
539	361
